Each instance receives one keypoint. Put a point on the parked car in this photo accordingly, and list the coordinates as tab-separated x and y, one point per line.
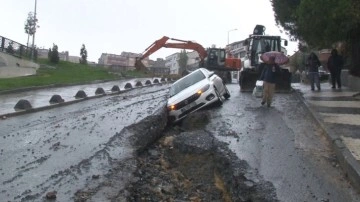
194	91
323	74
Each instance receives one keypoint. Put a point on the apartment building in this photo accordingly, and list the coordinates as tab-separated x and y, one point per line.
125	61
171	62
63	56
158	67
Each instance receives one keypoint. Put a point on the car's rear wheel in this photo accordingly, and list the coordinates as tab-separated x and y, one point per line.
227	93
220	98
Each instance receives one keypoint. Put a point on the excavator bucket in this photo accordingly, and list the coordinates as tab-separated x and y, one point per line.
139	65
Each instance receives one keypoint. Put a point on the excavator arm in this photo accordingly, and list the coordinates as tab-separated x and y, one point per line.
163	43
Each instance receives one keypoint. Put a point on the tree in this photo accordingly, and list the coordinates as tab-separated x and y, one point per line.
322	24
54	54
10	48
183	59
30	26
285	16
83	54
49	54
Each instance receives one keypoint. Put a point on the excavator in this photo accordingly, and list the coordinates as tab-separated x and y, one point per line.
213	59
255	45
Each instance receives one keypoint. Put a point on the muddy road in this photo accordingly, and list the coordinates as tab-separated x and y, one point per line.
67	148
119	148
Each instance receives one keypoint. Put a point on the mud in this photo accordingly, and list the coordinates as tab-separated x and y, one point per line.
189	164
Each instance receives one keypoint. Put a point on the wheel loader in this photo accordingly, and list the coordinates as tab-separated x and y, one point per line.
257	44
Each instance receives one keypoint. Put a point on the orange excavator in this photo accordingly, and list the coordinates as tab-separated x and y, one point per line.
213	59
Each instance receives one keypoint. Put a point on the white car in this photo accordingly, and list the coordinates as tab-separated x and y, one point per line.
194	91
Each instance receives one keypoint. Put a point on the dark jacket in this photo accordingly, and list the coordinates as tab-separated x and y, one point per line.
335	63
268	74
313	63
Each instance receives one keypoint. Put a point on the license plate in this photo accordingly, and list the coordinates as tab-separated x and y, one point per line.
189	106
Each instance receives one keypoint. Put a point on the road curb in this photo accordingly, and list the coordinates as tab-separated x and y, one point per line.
346	160
51	106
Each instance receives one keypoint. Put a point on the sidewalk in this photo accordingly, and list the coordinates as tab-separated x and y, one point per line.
338	112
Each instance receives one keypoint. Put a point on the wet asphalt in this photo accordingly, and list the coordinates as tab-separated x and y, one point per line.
284	144
67	148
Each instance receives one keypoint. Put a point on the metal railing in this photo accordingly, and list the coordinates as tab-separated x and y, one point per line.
14	48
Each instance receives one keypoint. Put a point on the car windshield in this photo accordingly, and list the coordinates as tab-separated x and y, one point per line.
187	81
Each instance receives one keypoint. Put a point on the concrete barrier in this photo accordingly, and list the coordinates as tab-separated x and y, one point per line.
56	99
138	84
349	80
80	94
147	82
22	105
100	91
128	86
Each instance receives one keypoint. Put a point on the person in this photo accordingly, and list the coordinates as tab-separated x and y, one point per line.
269	76
335	64
313	64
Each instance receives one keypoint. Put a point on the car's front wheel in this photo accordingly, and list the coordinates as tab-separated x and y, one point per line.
227	93
220	98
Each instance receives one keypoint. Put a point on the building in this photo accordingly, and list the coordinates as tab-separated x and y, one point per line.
193	59
158	67
171	62
238	49
63	56
74	59
123	62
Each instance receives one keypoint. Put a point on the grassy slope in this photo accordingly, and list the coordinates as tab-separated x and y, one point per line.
62	73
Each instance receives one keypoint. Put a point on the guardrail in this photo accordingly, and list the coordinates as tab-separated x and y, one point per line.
16	49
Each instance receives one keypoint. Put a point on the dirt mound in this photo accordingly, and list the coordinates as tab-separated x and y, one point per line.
195	166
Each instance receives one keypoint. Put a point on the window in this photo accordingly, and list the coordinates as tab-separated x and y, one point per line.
186	81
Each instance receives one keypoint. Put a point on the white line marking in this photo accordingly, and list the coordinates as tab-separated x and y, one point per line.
353	145
349	119
346	104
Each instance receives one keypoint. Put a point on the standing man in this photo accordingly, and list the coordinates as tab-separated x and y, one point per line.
313	64
269	76
335	64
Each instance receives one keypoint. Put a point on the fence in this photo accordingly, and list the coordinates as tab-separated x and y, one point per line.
14	48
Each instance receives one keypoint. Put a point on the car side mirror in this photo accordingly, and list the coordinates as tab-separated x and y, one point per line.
211	74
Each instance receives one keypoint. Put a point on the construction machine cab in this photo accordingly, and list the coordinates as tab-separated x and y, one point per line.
215	58
261	44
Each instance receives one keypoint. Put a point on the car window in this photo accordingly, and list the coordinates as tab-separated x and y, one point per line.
187	81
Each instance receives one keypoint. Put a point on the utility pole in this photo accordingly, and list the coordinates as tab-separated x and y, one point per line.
33	40
228	35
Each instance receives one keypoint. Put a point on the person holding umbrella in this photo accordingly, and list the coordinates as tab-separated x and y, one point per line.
269	76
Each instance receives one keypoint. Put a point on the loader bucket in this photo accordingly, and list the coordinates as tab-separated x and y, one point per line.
248	78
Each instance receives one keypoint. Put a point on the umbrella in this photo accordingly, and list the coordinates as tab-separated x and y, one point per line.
280	58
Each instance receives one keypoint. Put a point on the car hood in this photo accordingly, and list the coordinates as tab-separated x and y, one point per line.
187	92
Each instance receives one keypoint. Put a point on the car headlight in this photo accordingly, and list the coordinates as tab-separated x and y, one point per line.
172	107
203	89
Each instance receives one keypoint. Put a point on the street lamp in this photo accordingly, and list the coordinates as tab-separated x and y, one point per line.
229	33
33	40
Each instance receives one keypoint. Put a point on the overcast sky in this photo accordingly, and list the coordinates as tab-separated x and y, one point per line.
113	26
